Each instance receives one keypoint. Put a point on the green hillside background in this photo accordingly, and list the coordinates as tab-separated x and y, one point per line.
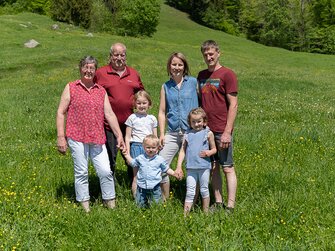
284	145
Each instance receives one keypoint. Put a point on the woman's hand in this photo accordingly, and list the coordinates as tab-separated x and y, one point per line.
61	144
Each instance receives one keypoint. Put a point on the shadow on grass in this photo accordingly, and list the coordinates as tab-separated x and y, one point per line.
67	190
122	185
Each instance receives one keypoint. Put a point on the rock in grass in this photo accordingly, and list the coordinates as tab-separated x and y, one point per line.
89	34
55	27
31	43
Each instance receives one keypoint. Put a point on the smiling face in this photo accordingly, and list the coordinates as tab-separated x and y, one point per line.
177	67
197	122
87	72
118	57
142	105
150	147
211	56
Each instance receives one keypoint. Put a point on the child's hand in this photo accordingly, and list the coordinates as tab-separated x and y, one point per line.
124	150
179	173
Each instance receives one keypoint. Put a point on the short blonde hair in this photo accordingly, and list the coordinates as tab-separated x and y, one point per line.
197	111
143	94
151	137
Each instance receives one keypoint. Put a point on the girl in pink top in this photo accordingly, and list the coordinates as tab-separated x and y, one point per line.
85	105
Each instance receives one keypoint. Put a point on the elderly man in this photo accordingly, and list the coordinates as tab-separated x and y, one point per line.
218	91
121	83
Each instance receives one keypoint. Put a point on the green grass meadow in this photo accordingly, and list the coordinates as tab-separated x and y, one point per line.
284	145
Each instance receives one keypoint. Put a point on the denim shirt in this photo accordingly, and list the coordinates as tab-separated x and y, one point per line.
197	141
179	102
149	170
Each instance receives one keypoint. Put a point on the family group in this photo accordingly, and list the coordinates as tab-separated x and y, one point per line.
106	110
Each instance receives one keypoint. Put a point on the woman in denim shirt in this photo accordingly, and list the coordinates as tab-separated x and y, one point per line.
177	98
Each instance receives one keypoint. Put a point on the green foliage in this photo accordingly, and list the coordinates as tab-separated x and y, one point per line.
138	17
282	23
102	18
218	18
77	12
125	18
35	6
322	40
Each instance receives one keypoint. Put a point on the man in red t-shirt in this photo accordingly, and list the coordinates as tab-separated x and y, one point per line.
121	83
218	92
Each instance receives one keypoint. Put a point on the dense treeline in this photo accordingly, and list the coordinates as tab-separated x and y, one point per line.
300	25
120	17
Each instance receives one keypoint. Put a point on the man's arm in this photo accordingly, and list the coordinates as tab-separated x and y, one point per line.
231	115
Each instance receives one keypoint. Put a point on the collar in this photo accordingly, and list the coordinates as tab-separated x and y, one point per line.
110	70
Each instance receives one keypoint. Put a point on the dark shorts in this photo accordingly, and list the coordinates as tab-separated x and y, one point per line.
145	197
223	155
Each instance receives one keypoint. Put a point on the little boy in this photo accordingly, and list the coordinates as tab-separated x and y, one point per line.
149	167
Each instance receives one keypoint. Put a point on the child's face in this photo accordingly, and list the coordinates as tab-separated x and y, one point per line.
142	105
150	148
197	122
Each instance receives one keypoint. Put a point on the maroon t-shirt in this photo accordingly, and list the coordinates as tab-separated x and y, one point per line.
213	87
120	90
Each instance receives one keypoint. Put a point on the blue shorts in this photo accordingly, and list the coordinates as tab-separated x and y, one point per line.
145	197
223	155
136	149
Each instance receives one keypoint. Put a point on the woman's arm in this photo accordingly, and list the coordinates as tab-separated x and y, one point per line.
181	157
60	119
162	117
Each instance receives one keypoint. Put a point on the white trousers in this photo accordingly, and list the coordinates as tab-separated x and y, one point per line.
81	153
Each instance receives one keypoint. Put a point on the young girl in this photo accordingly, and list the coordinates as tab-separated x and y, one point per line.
139	125
198	146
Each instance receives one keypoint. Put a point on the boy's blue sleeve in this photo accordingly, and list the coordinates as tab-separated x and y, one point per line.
164	166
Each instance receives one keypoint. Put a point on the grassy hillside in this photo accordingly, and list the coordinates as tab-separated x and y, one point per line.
284	145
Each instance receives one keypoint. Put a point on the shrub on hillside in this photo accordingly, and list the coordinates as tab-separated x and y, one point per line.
77	12
17	6
102	19
138	17
125	18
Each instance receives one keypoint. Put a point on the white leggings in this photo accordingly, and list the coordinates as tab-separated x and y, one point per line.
195	176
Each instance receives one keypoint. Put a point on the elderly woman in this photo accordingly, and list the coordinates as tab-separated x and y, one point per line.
85	105
177	98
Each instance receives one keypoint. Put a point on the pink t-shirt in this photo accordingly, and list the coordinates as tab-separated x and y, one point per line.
213	87
85	116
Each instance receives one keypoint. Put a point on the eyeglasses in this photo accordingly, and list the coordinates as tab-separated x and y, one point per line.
88	68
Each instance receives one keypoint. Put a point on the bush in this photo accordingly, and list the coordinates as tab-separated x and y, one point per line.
102	18
123	17
138	17
322	40
17	6
77	12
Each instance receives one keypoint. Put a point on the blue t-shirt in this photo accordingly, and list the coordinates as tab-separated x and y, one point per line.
149	170
179	102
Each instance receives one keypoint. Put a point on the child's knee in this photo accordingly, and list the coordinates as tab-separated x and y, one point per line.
204	191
